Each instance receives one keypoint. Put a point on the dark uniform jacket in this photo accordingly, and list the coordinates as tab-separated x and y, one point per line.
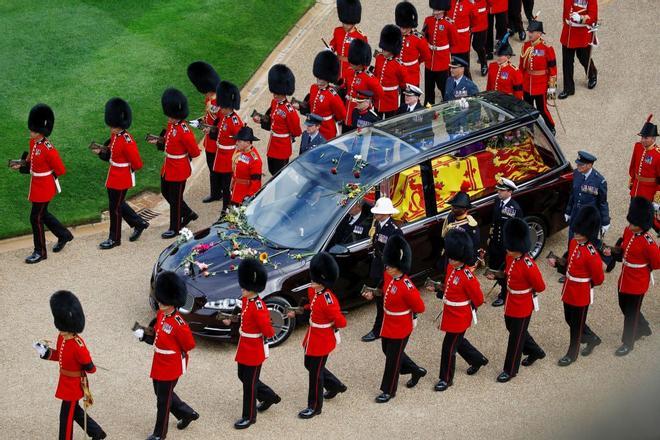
379	239
307	143
589	191
403	108
364	119
469	225
350	233
501	213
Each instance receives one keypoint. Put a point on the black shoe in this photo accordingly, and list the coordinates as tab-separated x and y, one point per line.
383	398
484	69
441	385
308	413
369	337
189	218
586	351
503	377
490	56
211	199
62	242
109	244
565	361
499	302
168	234
564	94
522	35
561	280
623	350
331	394
35	258
646	331
137	231
416	376
153	437
529	360
100	436
592	82
243	423
184	422
263	406
473	369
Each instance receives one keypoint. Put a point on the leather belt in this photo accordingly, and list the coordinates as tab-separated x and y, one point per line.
463	30
445	47
634	265
389	312
250	335
410	63
176	156
70	373
535	72
390	89
519	292
481	10
456	304
161	351
327	118
578	280
280	135
645	179
315	325
226	147
44	174
574	24
120	164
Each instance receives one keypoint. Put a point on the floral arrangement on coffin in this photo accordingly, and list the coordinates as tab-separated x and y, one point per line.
351	191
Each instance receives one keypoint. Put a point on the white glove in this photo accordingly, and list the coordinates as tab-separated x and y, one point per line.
194	123
139	334
604	229
656	207
463	104
575	17
567	218
40	348
551	91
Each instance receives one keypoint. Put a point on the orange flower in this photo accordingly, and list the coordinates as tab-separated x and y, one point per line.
263	257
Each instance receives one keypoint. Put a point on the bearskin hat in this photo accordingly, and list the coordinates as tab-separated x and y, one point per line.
252	275
458	245
587	222
118	113
41	119
440	5
405	15
227	95
68	314
203	76
281	80
359	53
175	104
170	289
397	254
323	269
516	236
640	213
391	39
326	66
504	47
349	11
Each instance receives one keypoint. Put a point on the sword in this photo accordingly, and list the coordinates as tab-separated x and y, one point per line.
561	121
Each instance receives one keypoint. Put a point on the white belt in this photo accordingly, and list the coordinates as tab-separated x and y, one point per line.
633	265
460	31
445	47
481	10
280	135
176	156
519	292
161	351
574	24
578	280
410	63
47	173
250	335
388	312
455	304
315	325
120	164
390	89
327	118
226	147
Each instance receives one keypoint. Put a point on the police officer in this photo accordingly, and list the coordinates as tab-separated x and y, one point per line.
505	208
459	218
384	227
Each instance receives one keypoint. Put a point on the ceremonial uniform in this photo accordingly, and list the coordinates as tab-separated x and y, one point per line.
339	44
644	171
364	118
468	225
505	78
284	126
497	20
538	66
246	180
211	117
327	103
464	16
354	228
578	37
414	51
356	81
480	32
228	126
589	190
441	36
462	88
391	74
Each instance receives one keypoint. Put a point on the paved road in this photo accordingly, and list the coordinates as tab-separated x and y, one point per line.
544	400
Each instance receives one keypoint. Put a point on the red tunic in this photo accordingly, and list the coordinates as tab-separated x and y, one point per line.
462	292
124	161
284	126
441	35
538	64
255	326
414	51
340	43
172	342
575	35
644	172
228	127
584	271
324	318
400	300
210	117
359	81
246	179
481	20
641	256
505	78
497	6
72	355
523	280
463	15
45	167
392	77
327	104
180	148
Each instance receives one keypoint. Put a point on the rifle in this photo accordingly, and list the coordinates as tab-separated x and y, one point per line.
16	162
296	310
97	148
230	316
373	290
433	286
560	260
496	274
265	119
147	330
152	137
301	105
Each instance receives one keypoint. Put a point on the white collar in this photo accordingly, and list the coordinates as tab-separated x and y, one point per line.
354	218
382	223
459	79
504	202
586	176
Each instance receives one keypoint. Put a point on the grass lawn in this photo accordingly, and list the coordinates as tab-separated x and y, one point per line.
74	55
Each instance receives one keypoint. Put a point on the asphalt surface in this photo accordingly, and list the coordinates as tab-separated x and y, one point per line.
584	400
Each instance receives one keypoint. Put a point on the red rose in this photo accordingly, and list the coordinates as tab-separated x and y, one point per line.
333	170
232	267
356	174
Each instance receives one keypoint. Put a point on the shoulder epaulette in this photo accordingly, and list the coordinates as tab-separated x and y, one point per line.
289	107
468	274
471	221
591	248
79	341
259	304
127	137
328	297
179	320
417	33
359	31
253	154
48	144
234	119
332	91
408	283
185	128
529	262
649	238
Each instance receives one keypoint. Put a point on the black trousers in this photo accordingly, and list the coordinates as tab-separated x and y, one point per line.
568	61
466	57
515	16
253	390
634	322
168	402
576	318
397	362
499	23
119	209
225	189
496	261
520	342
456	343
479	45
71	412
173	193
275	165
528	5
320	378
541	104
214	178
39	216
376	281
433	80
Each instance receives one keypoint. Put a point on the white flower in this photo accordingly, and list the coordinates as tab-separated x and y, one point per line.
357	157
185	234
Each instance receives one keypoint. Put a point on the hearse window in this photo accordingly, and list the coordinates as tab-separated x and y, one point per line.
407	193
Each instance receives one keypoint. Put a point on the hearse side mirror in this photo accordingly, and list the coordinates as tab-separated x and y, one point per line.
339	249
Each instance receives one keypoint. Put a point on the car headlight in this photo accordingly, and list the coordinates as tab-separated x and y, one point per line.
223	304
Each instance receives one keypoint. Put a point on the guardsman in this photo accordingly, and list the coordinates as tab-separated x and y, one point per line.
459	85
523	283
124	158
578	36
463	15
75	363
323	99
390	71
350	15
364	114
459	218
441	35
640	256
401	303
515	19
252	349
228	124
479	31
312	136
461	297
414	48
172	341
538	66
505	208
322	337
644	167
359	78
246	180
411	98
503	76
180	148
283	121
497	20
583	269
206	80
44	165
383	228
